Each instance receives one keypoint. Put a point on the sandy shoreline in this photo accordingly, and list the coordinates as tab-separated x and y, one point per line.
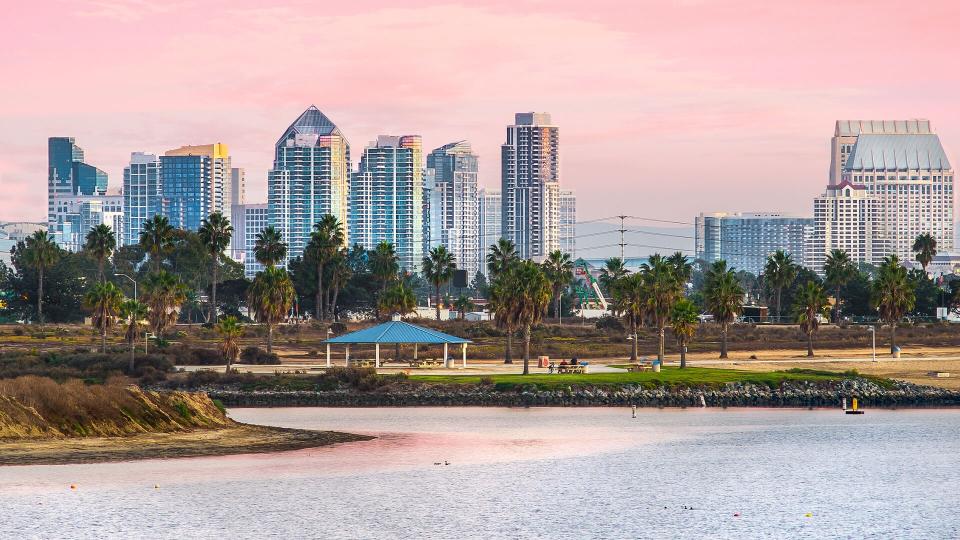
238	439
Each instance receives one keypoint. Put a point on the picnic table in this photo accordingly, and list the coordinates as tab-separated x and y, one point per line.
639	367
572	369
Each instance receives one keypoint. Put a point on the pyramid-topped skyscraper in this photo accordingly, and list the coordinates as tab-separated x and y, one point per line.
310	178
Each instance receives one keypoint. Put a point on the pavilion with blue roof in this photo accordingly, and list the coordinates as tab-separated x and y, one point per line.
398	332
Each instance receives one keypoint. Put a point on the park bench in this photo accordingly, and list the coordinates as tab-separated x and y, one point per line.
639	367
571	369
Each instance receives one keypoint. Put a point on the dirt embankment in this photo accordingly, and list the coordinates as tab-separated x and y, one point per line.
44	422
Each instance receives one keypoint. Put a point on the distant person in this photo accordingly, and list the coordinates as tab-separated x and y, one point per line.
574	361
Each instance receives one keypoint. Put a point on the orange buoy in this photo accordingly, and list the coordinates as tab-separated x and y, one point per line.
73	486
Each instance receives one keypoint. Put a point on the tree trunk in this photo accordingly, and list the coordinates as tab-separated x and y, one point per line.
40	297
683	354
437	298
270	337
133	355
810	344
526	350
723	341
100	269
660	350
213	295
333	303
318	309
508	356
229	363
837	300
633	331
893	337
556	309
779	312
103	340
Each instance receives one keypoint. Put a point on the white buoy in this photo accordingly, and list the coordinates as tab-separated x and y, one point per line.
634	411
703	401
844	403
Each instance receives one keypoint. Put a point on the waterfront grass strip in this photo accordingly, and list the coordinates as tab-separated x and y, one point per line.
669	376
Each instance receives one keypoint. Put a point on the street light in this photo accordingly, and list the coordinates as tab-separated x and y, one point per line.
134	284
873	339
136	298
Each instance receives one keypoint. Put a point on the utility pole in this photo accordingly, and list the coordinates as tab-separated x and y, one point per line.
622	230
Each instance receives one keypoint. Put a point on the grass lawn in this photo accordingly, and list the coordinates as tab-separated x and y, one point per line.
670	376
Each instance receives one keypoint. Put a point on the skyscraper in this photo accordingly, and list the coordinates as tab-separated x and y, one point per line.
238	186
847	218
530	176
142	195
310	178
490	210
903	165
69	180
453	209
248	221
75	215
386	198
195	182
568	222
746	240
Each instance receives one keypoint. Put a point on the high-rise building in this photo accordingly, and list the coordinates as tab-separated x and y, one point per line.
490	212
142	195
453	210
745	240
568	223
310	178
195	181
902	164
248	221
68	176
846	217
386	198
238	186
76	215
530	176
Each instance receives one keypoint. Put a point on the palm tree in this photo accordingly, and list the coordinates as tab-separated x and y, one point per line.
893	295
133	314
398	299
325	240
40	252
723	295
810	304
838	270
925	248
100	244
215	232
230	330
613	269
681	267
529	296
780	271
502	255
103	301
384	264
269	247
683	321
559	271
340	272
270	296
663	288
500	296
463	303
630	297
156	238
164	295
438	268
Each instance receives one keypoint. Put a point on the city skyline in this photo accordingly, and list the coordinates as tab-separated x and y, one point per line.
641	101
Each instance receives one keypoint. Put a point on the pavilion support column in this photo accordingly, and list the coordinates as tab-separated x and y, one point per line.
445	354
464	347
348	355
328	355
376	358
414	351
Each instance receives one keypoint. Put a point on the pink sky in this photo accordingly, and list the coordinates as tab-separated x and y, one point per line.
665	109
